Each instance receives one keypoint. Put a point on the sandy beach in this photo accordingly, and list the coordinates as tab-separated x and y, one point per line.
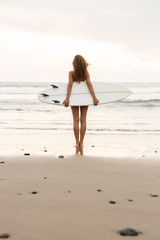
69	198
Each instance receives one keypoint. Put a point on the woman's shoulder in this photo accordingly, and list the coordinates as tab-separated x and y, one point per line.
70	72
87	73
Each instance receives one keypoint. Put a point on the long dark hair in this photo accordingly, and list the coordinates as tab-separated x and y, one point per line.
80	68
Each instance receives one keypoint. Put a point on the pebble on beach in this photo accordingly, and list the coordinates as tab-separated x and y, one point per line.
153	195
130	200
4	235
128	232
112	202
2	162
34	192
99	190
27	154
60	156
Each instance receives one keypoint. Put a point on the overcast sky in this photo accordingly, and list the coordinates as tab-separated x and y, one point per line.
120	38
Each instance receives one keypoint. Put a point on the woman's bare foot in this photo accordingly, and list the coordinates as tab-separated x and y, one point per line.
81	148
77	148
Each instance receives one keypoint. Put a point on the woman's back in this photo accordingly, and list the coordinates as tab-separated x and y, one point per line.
74	80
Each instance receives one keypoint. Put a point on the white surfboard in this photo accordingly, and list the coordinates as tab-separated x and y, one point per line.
80	94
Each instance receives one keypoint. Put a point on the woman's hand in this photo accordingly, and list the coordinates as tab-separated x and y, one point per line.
66	102
95	101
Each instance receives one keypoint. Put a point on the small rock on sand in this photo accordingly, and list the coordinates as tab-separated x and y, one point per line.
128	232
4	235
34	192
2	162
27	154
112	202
99	190
153	195
60	156
130	200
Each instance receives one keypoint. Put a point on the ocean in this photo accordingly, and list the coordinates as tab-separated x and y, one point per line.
27	122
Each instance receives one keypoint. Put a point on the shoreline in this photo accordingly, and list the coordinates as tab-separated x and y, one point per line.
115	146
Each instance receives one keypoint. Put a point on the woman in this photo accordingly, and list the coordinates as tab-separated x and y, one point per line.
79	74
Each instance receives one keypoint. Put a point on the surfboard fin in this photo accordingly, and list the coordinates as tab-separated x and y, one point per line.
54	86
55	101
45	95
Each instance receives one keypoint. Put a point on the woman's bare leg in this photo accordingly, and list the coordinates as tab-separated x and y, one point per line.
75	112
84	110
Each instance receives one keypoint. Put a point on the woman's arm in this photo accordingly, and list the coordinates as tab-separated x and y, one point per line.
89	84
69	88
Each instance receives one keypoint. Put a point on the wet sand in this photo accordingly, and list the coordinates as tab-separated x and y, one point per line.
75	197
